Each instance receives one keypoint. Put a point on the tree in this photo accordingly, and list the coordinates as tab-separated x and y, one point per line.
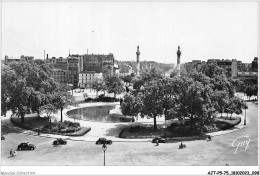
168	89
48	109
222	83
131	105
211	70
114	85
98	85
127	78
228	72
193	97
7	84
25	84
236	105
249	90
153	74
62	98
194	101
221	97
174	73
255	90
151	98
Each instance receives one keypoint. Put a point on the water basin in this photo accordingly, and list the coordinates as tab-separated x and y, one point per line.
100	114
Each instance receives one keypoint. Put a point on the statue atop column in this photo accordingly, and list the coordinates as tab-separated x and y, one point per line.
178	61
138	61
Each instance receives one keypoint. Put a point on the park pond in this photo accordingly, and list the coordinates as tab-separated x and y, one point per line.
99	113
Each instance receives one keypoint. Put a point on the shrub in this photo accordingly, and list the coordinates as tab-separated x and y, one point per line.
102	98
62	127
71	129
89	100
55	129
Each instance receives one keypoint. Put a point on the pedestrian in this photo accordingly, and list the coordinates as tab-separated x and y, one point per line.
209	137
121	101
11	152
157	143
127	89
15	153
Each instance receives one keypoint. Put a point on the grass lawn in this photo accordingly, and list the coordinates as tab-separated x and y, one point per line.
32	122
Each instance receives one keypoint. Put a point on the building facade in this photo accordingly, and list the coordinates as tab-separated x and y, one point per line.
73	70
236	68
60	75
60	62
97	63
14	59
90	65
87	78
108	62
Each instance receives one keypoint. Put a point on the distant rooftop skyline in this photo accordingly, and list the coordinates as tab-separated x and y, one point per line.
203	30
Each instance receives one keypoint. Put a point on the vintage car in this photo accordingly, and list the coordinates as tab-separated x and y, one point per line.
159	139
26	146
103	141
59	141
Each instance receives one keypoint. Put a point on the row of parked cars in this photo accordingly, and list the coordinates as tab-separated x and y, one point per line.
60	141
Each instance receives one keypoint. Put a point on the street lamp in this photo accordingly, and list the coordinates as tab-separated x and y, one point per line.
104	147
245	118
165	126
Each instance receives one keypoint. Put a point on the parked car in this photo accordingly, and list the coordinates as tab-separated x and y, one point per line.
26	146
59	141
160	140
2	137
103	141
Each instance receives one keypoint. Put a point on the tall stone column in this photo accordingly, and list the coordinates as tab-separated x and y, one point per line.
137	61
178	61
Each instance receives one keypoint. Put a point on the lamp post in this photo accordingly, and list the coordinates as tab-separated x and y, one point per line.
245	118
63	102
104	147
165	126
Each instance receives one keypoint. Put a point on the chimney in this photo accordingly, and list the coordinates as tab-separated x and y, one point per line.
47	56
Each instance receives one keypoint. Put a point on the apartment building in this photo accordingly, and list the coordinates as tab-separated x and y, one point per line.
87	78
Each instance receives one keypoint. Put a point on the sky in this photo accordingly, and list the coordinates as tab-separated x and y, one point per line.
203	30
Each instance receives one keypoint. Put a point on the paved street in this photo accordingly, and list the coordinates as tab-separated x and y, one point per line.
217	152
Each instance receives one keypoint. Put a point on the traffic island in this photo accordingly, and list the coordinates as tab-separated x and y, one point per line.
178	131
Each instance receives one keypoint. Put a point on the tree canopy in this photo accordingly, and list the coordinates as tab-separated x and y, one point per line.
195	97
29	85
114	85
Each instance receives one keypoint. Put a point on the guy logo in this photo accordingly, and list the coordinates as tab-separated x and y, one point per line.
241	142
